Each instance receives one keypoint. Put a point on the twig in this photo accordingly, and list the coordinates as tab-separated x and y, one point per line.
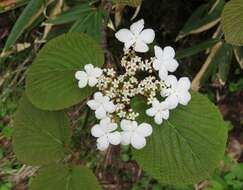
23	173
197	80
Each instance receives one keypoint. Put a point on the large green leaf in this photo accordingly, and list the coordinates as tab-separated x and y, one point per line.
63	177
90	23
51	84
186	148
232	21
202	19
224	58
196	48
30	12
40	137
238	51
220	64
71	14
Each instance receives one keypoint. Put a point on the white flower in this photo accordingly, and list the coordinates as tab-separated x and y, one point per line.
101	104
135	134
164	61
159	110
178	91
89	76
136	36
105	134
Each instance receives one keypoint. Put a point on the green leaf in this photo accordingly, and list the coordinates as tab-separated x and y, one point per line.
71	14
33	7
232	22
196	49
202	19
236	87
238	51
132	3
39	137
223	59
90	23
187	147
51	84
63	177
235	177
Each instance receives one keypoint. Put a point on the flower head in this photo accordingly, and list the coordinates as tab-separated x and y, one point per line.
164	61
159	110
89	76
136	36
104	131
135	134
102	105
178	91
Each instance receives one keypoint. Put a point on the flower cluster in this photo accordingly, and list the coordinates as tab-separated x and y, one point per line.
149	78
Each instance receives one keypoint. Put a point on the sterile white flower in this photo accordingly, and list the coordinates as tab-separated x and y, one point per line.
104	131
135	134
89	76
178	91
136	36
159	110
102	105
164	61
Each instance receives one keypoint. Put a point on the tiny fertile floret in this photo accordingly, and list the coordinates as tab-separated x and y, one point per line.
150	78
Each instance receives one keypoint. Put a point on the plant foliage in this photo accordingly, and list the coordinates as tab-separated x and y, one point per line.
186	148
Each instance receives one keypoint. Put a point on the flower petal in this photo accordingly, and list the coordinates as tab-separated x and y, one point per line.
130	43
126	137
147	36
137	27
171	65
102	143
184	98
163	73
97	72
171	80
104	123
155	103
93	104
165	92
156	64
172	100
158	52
128	125
137	141
97	131
111	127
165	114
98	96
80	75
100	113
144	129
141	47
92	81
168	52
114	138
82	83
124	35
109	107
158	119
184	84
89	69
151	112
